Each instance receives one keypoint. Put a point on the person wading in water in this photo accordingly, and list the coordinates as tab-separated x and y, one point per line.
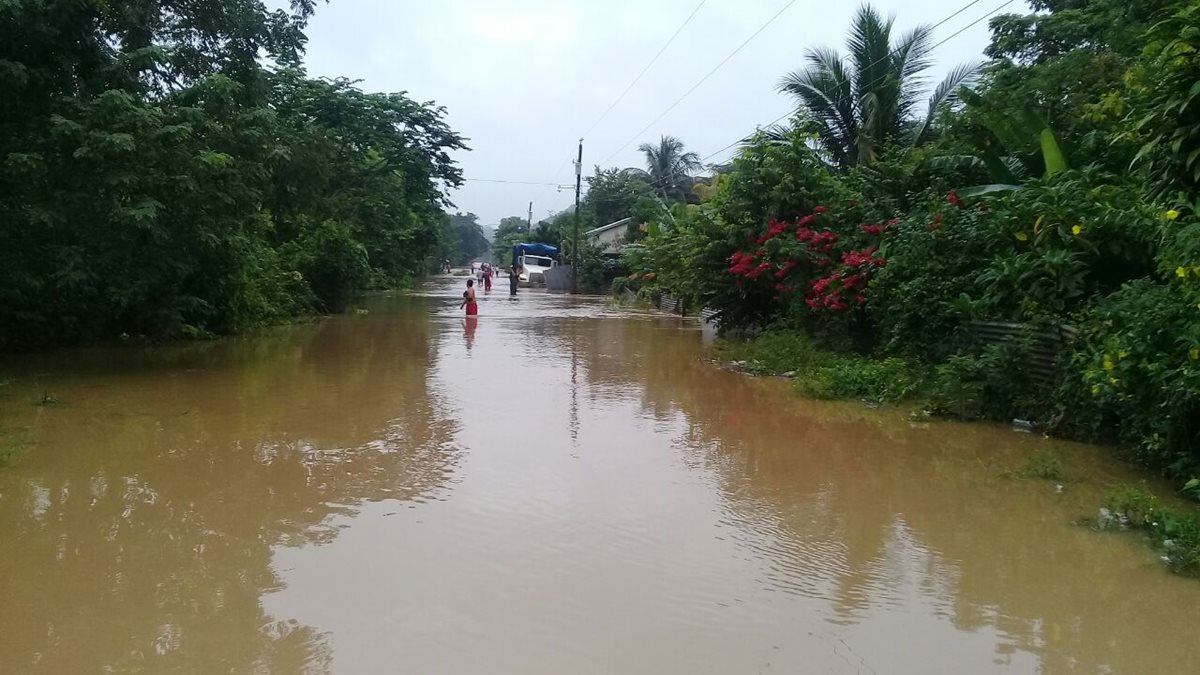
469	299
514	275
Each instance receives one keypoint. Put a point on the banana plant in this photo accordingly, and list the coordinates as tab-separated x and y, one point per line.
1010	136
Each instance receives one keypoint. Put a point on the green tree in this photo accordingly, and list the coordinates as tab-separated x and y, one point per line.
167	170
669	168
1165	90
861	103
471	242
511	230
615	194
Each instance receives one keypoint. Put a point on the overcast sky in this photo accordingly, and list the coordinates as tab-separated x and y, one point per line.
523	79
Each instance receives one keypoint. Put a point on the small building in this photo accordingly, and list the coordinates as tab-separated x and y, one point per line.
609	237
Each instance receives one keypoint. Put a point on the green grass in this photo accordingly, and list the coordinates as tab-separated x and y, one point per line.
879	381
772	353
823	374
1043	465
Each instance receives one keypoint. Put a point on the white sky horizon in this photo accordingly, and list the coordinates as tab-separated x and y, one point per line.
523	79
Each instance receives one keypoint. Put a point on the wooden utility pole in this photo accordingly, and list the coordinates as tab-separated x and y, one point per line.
575	257
529	222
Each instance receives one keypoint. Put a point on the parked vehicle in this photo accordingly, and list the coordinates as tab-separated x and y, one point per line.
534	260
534	266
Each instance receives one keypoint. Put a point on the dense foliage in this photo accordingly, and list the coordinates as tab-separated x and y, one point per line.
167	169
1058	197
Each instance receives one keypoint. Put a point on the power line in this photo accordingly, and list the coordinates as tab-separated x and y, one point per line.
887	56
558	171
702	80
513	182
644	70
893	52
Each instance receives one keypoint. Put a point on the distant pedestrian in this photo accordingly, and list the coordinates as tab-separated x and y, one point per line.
487	278
469	299
514	276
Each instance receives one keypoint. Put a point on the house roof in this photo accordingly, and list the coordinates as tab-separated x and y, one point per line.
610	226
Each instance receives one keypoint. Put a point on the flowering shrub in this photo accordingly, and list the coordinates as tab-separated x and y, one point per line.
834	274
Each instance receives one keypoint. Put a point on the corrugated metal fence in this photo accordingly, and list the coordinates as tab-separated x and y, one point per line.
1046	348
672	304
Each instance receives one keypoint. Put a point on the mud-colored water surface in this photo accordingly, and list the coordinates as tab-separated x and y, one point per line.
561	487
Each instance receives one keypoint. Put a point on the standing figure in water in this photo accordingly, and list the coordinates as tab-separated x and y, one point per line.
487	278
469	299
514	276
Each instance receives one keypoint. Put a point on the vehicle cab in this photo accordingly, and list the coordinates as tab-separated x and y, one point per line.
533	268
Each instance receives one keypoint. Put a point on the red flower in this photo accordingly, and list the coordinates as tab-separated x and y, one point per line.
860	299
786	269
758	271
777	228
871	229
820	209
858	258
803	233
952	197
937	221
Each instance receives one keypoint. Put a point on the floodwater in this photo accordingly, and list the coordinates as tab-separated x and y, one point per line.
561	487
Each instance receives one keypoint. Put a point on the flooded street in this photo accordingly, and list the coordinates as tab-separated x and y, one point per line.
565	487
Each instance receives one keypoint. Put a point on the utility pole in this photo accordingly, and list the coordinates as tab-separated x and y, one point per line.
575	240
529	223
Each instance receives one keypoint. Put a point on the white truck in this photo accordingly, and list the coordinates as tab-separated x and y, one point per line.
533	268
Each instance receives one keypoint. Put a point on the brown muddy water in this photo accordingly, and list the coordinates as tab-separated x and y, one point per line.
564	487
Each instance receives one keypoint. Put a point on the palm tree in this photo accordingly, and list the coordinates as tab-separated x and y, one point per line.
668	168
859	103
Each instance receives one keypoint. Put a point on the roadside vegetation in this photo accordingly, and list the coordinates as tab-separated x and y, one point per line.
169	170
877	242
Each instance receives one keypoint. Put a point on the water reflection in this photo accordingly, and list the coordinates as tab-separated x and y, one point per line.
138	536
470	324
875	515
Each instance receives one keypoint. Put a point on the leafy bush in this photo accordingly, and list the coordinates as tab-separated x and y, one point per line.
333	263
933	259
1163	86
994	384
1135	375
1176	533
1069	237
